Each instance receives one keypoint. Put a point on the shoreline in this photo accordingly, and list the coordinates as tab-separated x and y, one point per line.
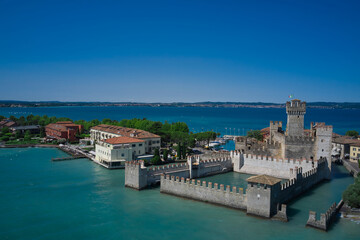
29	145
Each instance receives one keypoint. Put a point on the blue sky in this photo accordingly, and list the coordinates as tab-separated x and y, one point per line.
188	51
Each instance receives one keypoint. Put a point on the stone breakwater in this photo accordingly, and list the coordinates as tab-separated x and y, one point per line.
325	218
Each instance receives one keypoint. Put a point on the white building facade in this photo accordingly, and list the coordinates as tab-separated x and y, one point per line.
104	132
113	152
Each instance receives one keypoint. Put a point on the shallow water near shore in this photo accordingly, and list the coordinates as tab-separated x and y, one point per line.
78	199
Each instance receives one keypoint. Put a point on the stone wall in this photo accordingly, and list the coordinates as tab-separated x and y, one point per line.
135	175
154	173
139	177
202	168
261	200
252	164
325	218
299	147
203	191
302	181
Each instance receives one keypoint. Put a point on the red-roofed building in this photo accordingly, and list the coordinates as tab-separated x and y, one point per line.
104	131
7	123
113	152
63	130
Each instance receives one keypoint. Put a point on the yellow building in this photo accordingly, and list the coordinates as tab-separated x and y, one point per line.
355	152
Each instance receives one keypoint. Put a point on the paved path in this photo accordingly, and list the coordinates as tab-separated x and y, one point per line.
352	167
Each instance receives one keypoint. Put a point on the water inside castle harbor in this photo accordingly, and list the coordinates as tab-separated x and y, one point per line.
79	199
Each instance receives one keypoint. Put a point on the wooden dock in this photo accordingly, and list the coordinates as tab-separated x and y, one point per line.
66	158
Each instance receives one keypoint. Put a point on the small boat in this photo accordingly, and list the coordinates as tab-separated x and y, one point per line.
214	144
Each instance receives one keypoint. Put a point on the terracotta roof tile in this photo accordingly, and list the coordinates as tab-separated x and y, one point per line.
264	179
124	131
120	140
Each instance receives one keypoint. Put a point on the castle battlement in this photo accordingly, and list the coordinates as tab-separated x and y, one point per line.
273	144
299	140
216	160
322	128
296	107
309	173
133	164
275	124
167	167
270	158
203	184
325	218
288	184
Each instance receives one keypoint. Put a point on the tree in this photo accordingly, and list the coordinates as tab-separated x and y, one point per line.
156	159
42	132
5	130
255	134
2	117
178	151
165	155
351	195
18	134
352	133
4	138
183	151
27	136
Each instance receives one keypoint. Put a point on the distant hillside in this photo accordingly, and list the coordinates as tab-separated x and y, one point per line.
327	105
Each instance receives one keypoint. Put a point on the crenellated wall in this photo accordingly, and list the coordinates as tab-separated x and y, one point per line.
204	191
179	170
265	200
139	177
302	181
201	168
325	218
135	175
254	164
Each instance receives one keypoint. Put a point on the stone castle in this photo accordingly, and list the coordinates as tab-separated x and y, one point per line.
295	142
285	165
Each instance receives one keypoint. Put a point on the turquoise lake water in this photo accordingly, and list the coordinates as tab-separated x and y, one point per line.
237	120
79	199
40	199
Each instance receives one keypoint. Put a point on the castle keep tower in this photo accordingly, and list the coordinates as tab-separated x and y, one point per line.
295	110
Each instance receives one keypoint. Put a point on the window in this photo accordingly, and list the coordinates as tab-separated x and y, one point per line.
133	145
322	140
322	150
122	154
140	145
354	149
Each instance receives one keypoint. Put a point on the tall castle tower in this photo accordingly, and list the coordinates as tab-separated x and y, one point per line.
295	110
